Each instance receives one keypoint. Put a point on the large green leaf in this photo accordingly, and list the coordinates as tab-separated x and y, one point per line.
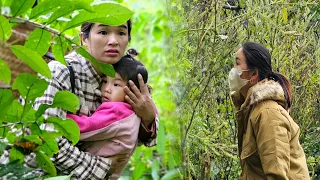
172	174
138	170
50	147
155	169
3	131
6	98
2	147
107	69
67	101
68	128
19	7
68	7
5	29
29	86
161	139
33	138
45	163
59	49
14	112
33	59
16	154
49	6
108	13
39	40
5	72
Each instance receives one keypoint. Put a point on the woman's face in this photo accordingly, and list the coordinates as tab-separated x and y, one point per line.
107	43
242	64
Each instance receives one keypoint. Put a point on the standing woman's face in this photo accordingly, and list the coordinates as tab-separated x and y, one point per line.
107	43
241	63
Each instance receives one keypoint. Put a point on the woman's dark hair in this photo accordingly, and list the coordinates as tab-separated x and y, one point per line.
258	58
129	68
86	27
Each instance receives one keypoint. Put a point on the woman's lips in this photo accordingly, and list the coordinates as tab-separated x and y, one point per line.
112	53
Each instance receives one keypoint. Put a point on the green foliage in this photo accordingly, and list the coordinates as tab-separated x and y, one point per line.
39	40
45	163
5	72
5	29
6	98
32	58
59	49
20	7
29	86
106	13
107	69
68	128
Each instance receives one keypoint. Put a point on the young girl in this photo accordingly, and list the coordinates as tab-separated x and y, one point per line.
112	131
268	138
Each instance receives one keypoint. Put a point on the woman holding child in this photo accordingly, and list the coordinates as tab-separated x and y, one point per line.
107	44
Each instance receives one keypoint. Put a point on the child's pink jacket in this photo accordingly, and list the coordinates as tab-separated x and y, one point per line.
111	131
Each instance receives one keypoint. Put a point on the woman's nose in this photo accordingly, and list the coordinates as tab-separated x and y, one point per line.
113	40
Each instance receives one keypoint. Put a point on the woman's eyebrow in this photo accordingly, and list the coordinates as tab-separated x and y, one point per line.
121	26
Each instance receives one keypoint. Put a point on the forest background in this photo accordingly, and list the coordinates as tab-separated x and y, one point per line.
188	48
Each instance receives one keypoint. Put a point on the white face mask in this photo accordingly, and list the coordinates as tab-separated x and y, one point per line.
235	81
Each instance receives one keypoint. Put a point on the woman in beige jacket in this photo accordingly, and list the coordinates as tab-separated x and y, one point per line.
268	138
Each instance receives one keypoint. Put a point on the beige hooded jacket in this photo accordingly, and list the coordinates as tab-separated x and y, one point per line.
268	138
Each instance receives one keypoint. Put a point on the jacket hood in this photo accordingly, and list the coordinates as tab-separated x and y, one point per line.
264	90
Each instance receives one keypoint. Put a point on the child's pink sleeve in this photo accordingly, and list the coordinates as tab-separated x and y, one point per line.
106	114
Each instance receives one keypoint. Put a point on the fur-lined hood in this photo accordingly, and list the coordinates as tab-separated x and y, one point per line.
264	90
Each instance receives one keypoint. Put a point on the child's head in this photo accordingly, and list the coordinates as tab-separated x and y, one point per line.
126	69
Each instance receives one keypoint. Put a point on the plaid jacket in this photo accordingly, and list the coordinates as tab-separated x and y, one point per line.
87	87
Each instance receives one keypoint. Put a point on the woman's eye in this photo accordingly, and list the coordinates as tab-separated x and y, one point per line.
122	33
103	32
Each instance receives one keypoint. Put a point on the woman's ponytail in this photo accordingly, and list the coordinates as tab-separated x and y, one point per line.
286	86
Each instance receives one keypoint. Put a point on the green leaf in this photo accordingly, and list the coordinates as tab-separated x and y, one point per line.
50	6
33	138
285	15
35	129
161	139
68	128
108	13
5	72
29	86
5	29
50	135
60	178
107	69
139	169
2	147
6	98
155	169
44	7
16	154
32	59
45	163
68	7
14	112
172	174
50	147
157	33
21	6
59	49
67	101
39	40
42	108
11	137
4	131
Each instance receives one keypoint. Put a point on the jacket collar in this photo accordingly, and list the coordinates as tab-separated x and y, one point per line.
264	90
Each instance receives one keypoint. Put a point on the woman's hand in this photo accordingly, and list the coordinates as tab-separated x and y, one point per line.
141	101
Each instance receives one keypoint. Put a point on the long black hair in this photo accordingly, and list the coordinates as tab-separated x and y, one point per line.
258	58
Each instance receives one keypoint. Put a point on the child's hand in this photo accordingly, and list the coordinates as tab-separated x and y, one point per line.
141	101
